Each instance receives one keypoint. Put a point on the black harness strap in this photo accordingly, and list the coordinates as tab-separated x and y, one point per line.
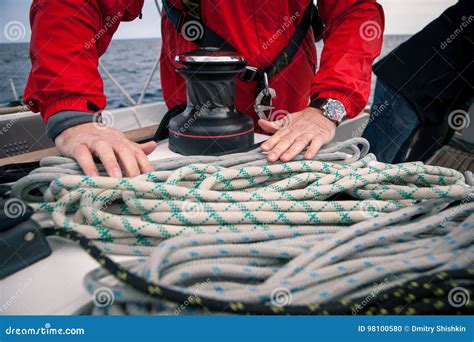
317	24
193	9
286	55
209	38
190	25
173	14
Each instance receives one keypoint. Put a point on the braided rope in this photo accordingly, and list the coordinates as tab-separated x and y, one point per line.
284	225
234	193
301	267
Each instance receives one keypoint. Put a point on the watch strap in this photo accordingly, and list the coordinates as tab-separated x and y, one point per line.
320	103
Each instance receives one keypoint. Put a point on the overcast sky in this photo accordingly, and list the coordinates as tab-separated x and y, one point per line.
402	17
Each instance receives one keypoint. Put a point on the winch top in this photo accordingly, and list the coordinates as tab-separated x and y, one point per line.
210	56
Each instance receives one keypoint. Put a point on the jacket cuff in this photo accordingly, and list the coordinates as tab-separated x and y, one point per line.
351	109
61	121
76	104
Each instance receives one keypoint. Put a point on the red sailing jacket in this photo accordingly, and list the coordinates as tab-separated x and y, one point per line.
69	36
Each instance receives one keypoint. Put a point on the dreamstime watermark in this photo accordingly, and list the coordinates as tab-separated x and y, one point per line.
370	30
109	23
6	127
457	210
281	297
14	297
458	296
370	209
46	330
199	110
103	297
14	208
14	31
191	209
103	119
287	22
466	21
376	111
458	119
191	298
192	30
281	118
10	123
376	289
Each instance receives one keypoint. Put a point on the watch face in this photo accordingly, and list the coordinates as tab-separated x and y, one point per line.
334	110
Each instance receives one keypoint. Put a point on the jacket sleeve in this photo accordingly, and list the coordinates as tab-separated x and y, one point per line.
352	40
68	36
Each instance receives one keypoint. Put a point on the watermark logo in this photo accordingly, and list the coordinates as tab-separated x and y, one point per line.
47	329
370	30
287	22
198	111
5	128
376	111
103	297
465	22
457	211
370	209
192	209
280	297
376	289
192	30
14	208
458	119
103	119
109	23
458	296
14	31
193	298
281	118
19	292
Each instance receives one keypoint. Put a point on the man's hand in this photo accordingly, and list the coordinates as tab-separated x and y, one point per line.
84	141
295	132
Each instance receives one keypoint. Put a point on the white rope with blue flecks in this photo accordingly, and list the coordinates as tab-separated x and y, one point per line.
301	266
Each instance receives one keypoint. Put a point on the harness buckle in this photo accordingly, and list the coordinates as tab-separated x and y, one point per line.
264	100
249	74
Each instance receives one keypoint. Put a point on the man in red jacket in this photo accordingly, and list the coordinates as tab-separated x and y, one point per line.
69	36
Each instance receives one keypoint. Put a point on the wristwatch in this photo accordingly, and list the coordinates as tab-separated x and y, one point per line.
332	109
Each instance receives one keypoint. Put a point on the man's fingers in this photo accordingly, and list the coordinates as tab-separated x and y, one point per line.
298	146
85	160
313	148
268	126
280	148
141	155
128	160
147	147
274	139
143	162
270	144
107	156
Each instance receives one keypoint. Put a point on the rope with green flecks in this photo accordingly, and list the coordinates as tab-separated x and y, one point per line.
235	193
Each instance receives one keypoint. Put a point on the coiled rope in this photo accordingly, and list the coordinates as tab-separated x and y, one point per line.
239	229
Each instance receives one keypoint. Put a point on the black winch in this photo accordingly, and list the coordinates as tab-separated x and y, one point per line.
210	123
